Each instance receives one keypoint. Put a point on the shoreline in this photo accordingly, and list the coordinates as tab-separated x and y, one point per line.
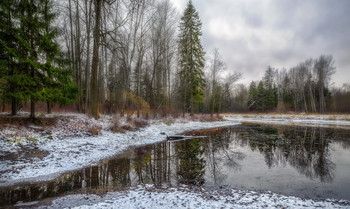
70	154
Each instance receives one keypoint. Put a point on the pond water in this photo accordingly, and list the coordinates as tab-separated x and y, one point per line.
310	162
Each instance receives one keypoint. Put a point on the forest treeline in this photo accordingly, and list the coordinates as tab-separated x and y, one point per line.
139	57
303	88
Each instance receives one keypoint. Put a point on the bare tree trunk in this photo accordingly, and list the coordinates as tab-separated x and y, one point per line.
305	103
13	101
95	61
78	55
49	107
87	66
71	34
32	108
32	102
13	106
322	99
312	99
213	100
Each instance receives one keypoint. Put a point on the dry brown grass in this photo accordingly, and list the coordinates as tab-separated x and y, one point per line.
95	130
140	123
127	127
131	125
116	126
169	121
25	121
205	132
208	118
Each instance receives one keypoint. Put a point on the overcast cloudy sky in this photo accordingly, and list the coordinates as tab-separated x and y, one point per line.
253	34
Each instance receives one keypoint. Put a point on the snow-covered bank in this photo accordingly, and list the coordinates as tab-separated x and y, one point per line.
71	153
66	146
313	120
185	197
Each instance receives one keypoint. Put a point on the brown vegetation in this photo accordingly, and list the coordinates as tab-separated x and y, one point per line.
204	132
140	123
95	130
131	124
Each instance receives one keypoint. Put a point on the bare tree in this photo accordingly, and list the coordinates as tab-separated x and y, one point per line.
217	66
324	69
95	61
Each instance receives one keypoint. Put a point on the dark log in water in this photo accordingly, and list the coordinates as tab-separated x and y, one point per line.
178	137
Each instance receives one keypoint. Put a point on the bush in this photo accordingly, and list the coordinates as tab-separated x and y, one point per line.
135	103
116	127
95	130
169	121
127	128
140	123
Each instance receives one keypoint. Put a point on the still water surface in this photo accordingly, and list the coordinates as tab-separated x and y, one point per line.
311	162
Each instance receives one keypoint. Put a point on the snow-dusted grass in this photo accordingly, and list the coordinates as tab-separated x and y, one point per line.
185	197
304	119
70	147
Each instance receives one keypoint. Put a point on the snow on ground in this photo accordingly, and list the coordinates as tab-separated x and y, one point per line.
68	146
319	120
185	197
66	153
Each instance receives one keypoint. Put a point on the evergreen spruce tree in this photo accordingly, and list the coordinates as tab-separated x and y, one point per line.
59	86
33	70
270	89
9	86
261	97
191	59
252	96
268	83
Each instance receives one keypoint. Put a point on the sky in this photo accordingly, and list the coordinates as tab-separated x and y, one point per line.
254	34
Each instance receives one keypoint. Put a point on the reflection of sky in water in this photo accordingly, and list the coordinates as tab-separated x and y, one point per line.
307	162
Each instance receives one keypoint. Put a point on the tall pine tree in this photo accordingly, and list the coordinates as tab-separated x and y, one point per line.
10	91
191	59
59	86
252	96
31	57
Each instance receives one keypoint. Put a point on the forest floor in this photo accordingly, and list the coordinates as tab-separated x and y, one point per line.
62	142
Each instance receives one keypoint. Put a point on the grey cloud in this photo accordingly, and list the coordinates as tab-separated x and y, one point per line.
280	33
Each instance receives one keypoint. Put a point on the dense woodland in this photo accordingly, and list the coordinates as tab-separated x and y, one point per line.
140	57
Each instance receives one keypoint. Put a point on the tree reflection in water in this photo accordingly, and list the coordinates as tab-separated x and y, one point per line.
190	163
304	148
219	154
215	160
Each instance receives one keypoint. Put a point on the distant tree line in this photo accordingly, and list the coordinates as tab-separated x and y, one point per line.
303	88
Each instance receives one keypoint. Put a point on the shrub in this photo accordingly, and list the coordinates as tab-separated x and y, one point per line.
116	127
140	123
135	103
127	128
95	130
169	121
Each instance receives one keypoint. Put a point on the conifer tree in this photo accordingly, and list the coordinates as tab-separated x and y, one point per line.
261	97
252	96
59	86
270	90
191	59
34	70
9	90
